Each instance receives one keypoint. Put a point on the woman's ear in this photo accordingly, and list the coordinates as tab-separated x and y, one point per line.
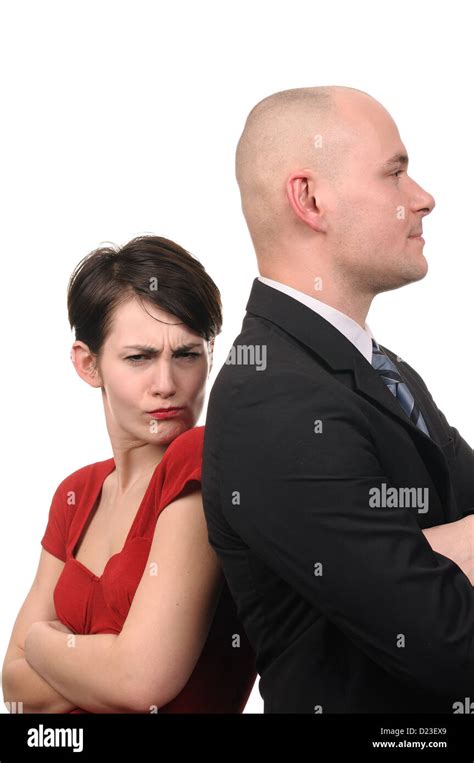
85	363
211	351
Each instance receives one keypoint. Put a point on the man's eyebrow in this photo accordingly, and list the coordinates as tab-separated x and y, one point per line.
146	348
396	159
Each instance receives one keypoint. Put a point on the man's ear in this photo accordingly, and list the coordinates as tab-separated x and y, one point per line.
85	363
303	193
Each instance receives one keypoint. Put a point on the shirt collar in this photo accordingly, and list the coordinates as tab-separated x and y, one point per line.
360	337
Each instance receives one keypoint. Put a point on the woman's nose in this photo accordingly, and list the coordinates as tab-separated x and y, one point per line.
163	382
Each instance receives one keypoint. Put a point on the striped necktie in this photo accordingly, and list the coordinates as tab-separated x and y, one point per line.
389	373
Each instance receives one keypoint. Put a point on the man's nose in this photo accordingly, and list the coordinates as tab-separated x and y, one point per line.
422	201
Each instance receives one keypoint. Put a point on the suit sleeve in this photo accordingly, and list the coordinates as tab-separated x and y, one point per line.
297	485
462	465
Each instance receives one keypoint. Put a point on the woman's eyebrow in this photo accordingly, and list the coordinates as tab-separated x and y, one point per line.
149	349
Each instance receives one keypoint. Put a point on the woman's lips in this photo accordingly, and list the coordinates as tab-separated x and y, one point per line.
168	413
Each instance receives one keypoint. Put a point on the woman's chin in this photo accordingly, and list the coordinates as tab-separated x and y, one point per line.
165	431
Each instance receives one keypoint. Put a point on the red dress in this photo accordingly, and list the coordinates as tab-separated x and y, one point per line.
225	673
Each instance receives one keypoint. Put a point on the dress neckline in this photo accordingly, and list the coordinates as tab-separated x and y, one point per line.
94	505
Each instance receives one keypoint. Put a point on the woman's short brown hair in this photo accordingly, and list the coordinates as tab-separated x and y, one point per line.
152	268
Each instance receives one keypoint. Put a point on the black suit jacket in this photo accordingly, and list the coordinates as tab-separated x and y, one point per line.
348	608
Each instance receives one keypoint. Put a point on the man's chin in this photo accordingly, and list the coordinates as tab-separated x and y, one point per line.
419	269
405	277
415	269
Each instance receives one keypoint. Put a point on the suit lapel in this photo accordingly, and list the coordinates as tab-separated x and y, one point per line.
337	352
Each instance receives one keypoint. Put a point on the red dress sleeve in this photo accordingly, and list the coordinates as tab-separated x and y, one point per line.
54	538
183	465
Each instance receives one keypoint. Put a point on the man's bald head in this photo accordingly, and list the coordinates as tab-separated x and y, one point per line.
326	194
288	130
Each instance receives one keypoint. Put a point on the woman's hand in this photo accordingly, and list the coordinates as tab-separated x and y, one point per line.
454	540
34	639
38	633
468	569
58	625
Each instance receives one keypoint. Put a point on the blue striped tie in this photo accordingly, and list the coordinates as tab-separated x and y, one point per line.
389	373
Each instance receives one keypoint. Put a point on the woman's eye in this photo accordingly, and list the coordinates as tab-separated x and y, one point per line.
188	355
134	359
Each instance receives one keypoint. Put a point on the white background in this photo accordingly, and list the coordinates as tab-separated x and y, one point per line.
121	118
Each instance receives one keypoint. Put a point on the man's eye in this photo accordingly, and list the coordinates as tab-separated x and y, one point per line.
135	358
395	174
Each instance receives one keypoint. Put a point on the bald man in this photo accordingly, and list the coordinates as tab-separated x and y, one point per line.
337	495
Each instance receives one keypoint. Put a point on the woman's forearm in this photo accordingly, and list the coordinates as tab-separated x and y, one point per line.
22	684
86	669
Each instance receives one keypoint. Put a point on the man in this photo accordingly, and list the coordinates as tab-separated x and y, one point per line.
337	496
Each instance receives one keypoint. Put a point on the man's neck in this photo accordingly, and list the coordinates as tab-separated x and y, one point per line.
354	306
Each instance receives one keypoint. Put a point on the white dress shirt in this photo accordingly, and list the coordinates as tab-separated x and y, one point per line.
360	337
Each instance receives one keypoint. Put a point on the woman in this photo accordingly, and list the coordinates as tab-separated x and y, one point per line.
146	620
